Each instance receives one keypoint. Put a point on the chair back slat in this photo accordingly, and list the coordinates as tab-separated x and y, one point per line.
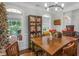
70	49
13	50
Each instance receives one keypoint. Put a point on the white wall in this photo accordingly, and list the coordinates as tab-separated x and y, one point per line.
24	43
46	22
57	15
67	18
75	19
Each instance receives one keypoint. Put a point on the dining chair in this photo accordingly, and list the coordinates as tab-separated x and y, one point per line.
12	50
38	52
69	50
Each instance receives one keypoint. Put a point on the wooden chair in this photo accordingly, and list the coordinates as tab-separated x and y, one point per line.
38	52
69	50
13	50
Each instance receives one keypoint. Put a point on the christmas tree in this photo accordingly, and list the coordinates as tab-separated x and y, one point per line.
3	26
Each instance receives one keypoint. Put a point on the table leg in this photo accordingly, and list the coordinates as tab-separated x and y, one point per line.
33	46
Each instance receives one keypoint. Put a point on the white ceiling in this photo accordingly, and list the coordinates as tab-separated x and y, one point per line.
39	6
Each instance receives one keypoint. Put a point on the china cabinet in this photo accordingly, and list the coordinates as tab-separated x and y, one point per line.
34	28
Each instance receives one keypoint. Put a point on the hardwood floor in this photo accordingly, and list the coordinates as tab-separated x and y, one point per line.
27	52
24	51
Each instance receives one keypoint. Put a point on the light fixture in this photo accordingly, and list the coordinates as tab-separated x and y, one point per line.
45	4
56	9
62	5
56	5
47	9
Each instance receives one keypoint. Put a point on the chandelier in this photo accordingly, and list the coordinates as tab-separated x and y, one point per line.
56	5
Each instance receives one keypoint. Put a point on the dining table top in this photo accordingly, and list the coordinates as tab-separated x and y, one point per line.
52	46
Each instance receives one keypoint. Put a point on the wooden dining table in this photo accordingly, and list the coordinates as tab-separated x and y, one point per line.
53	46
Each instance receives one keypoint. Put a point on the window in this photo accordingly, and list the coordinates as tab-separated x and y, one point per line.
14	26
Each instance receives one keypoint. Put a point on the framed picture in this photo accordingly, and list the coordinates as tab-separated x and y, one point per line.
57	22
